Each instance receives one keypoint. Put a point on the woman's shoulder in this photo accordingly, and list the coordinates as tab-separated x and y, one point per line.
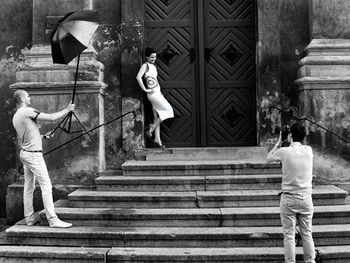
152	66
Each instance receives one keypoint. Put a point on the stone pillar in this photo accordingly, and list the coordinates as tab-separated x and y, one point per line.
324	89
51	87
324	92
132	33
330	19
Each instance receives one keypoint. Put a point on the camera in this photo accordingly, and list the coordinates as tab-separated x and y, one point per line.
285	133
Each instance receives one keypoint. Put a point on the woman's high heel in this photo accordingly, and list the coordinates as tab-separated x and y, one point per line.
150	131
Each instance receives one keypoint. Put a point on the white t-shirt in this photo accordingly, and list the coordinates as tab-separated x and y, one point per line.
297	165
27	129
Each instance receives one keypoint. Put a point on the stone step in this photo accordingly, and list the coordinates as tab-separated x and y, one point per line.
198	167
90	198
339	254
322	195
188	183
44	254
200	217
209	153
169	237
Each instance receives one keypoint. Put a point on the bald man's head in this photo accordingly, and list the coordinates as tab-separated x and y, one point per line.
20	96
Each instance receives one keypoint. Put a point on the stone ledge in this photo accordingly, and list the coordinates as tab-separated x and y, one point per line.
325	60
53	252
61	88
337	83
328	46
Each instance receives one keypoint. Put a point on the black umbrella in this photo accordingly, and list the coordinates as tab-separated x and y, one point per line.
72	35
69	39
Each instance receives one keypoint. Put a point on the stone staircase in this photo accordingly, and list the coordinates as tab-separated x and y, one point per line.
182	205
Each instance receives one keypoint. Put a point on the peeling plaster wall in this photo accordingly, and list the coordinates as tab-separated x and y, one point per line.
330	19
283	33
15	36
108	42
269	86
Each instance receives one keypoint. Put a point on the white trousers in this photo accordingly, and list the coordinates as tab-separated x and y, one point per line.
297	209
35	169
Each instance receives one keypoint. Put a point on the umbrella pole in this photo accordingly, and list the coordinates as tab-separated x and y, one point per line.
74	91
76	78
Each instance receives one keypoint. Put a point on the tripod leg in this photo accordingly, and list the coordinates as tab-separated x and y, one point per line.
84	127
66	119
63	121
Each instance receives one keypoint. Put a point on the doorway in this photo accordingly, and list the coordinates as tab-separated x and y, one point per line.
206	67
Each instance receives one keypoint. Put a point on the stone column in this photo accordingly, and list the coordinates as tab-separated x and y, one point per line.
324	75
132	33
324	92
324	89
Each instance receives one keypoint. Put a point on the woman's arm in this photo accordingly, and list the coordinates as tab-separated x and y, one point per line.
140	75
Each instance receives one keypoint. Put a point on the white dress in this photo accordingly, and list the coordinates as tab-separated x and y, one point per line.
159	103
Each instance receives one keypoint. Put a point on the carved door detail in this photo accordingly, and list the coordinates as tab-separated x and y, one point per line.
206	66
230	72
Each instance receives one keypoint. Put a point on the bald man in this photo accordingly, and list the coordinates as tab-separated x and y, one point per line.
30	142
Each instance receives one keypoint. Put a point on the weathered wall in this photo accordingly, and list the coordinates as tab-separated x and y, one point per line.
330	19
108	41
326	95
15	35
269	67
283	33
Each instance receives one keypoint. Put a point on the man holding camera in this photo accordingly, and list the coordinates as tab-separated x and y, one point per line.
296	193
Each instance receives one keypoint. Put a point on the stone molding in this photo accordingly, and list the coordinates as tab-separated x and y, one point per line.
83	87
326	65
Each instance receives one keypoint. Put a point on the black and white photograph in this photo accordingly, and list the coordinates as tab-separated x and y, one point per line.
175	131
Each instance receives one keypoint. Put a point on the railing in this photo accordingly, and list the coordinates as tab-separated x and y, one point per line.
306	119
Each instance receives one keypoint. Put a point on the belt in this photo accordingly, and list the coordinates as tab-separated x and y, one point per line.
286	193
36	151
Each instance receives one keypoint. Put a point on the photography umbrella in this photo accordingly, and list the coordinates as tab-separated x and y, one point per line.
69	39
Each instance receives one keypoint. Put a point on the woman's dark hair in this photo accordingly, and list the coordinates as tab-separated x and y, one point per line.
298	132
149	51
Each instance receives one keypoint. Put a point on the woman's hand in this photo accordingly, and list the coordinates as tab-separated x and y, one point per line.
149	91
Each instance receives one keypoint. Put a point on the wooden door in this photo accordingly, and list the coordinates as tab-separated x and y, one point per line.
206	65
229	78
169	28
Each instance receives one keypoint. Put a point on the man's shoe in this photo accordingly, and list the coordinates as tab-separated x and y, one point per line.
56	222
33	219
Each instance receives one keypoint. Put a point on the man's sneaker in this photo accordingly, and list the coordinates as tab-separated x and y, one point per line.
56	222
33	219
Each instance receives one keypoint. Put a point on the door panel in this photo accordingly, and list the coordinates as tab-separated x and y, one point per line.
169	28
230	72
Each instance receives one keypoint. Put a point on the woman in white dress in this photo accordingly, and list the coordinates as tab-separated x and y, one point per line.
147	79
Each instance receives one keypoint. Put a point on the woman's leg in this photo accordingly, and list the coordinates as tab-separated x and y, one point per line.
157	135
156	127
